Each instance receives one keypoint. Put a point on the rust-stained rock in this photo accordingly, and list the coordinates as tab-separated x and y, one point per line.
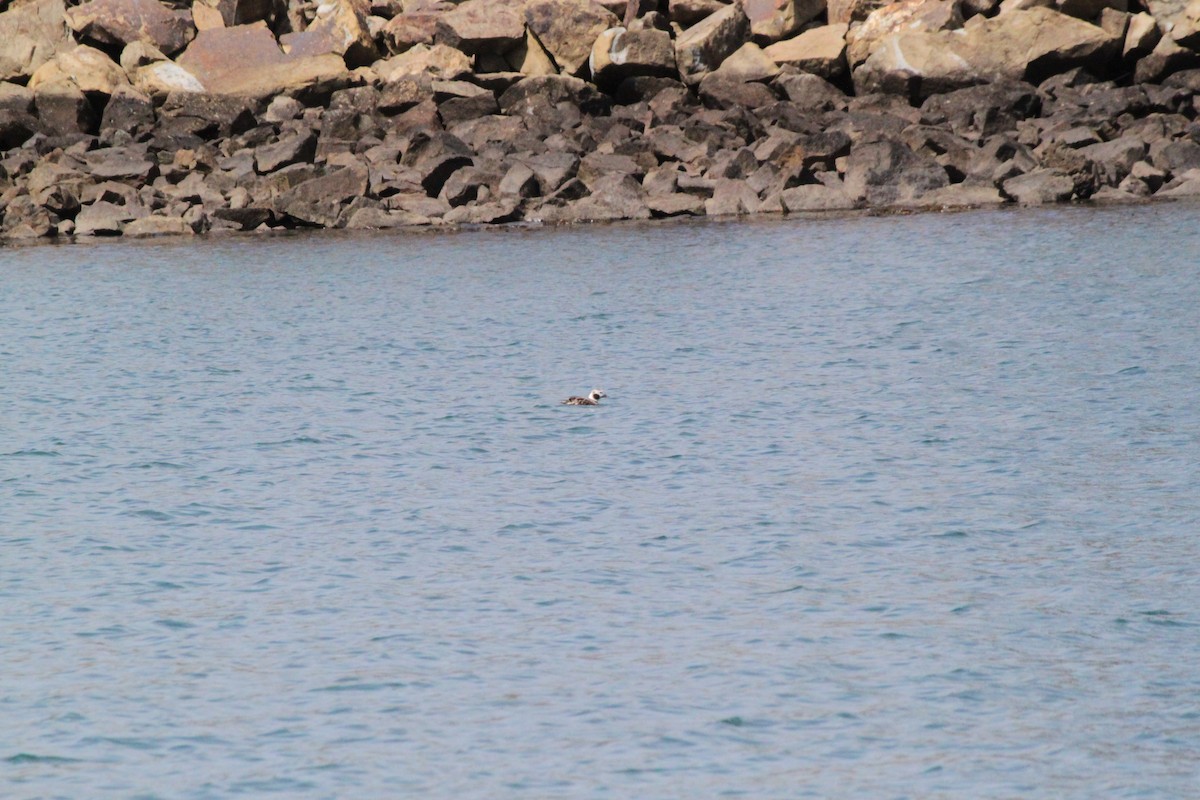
568	29
701	48
478	26
121	22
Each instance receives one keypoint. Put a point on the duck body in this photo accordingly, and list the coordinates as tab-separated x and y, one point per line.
592	399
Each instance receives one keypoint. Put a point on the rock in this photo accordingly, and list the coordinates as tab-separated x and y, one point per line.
404	31
907	16
64	111
1165	59
619	54
816	197
701	48
25	219
887	173
292	147
435	158
747	63
240	12
320	201
435	61
721	92
1141	35
208	116
613	197
122	22
164	77
477	26
568	29
131	165
1177	157
821	51
340	28
847	11
1114	159
731	197
460	108
960	196
675	205
978	112
811	93
84	68
15	128
532	95
772	20
158	225
402	94
1021	45
104	218
245	60
30	35
1039	187
686	13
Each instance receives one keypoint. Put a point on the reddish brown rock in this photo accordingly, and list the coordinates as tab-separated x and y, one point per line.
122	22
568	29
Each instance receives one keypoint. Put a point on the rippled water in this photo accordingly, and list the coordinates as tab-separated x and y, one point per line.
876	508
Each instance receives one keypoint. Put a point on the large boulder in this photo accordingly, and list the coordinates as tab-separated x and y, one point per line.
567	29
888	173
1020	45
701	48
908	16
246	60
619	54
436	61
122	22
30	35
320	201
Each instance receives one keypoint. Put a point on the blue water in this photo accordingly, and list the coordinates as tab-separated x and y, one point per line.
895	507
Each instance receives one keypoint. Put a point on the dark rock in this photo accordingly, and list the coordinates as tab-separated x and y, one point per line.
15	128
644	88
1175	157
128	111
400	95
319	201
520	180
552	169
595	165
121	22
719	91
887	172
293	147
208	116
811	92
1116	158
246	218
462	108
65	112
421	118
978	112
132	164
532	95
435	158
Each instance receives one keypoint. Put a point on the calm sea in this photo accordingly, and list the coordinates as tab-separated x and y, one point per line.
900	507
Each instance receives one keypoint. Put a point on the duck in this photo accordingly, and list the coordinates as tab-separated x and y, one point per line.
593	399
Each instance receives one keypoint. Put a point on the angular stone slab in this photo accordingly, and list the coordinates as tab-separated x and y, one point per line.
121	22
568	29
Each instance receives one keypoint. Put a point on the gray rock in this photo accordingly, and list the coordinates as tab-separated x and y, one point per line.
731	197
1039	187
435	158
320	201
816	197
887	172
293	147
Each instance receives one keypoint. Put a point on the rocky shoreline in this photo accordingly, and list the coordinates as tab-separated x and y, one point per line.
143	118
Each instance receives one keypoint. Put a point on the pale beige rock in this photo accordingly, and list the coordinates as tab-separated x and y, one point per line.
1141	36
778	19
1166	12
530	58
85	68
205	17
245	60
137	55
748	63
568	29
1022	45
160	78
821	51
158	226
30	35
1187	26
701	48
437	61
908	16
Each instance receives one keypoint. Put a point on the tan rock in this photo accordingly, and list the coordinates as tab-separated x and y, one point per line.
620	53
245	60
1187	26
688	12
778	19
340	28
158	225
530	58
568	29
701	48
30	35
120	22
1166	12
852	10
404	31
821	51
1141	36
478	26
748	63
85	68
1022	45
137	55
908	16
438	61
206	17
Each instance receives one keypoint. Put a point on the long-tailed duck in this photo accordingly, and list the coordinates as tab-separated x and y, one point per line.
593	399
